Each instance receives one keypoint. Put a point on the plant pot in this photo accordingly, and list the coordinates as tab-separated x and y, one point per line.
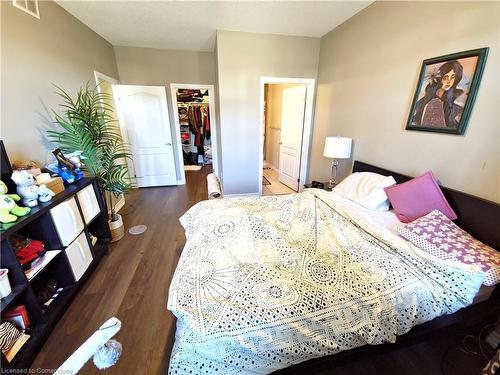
117	229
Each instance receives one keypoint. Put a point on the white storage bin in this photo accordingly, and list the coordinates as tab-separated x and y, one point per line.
5	288
79	256
68	220
88	203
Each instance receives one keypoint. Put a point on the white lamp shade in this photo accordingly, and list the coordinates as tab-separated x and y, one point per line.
337	147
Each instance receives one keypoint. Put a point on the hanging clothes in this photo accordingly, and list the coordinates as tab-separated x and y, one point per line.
198	141
206	123
191	119
194	120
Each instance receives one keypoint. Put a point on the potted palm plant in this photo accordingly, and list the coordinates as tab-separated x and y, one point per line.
86	125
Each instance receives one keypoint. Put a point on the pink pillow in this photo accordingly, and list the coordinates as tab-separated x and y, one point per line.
418	197
439	236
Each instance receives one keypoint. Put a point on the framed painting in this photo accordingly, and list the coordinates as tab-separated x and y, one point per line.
446	90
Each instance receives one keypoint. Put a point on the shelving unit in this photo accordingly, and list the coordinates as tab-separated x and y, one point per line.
45	261
42	225
16	291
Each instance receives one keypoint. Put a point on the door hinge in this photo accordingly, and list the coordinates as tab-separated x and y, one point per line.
298	179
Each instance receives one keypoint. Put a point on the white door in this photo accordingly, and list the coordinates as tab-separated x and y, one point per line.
292	123
143	115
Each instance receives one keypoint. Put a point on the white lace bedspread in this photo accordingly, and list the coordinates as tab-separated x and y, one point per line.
264	283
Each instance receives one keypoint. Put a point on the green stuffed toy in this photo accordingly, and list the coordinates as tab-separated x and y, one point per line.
9	210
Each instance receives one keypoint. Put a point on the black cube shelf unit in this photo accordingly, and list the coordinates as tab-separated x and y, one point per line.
39	224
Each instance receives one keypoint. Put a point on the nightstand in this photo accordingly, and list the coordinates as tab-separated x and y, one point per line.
325	186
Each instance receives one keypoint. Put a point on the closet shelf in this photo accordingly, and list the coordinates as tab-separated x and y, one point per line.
187	104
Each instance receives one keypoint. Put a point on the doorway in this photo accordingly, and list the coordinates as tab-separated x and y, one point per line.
193	111
286	121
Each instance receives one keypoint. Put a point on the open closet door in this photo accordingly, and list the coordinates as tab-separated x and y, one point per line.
144	121
292	124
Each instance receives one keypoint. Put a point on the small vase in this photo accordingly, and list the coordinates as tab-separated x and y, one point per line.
117	229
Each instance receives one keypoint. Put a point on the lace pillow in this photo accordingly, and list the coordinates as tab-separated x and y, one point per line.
439	236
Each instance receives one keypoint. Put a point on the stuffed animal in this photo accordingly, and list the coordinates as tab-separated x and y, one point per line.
9	210
29	192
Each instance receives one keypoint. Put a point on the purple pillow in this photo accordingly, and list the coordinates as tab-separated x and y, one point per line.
439	236
418	197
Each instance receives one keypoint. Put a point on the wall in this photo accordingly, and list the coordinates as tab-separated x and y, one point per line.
273	122
161	67
150	66
106	87
57	49
368	71
242	58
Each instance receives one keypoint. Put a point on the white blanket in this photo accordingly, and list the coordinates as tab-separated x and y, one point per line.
267	282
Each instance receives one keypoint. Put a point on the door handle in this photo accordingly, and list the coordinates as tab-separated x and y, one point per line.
168	144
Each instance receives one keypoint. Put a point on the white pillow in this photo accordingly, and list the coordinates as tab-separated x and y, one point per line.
366	189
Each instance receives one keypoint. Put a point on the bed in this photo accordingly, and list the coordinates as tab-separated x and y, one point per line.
265	283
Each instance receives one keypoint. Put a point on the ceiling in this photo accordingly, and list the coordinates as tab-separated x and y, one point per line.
192	25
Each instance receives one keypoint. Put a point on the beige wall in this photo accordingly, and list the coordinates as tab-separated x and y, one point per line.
274	96
150	66
242	58
35	54
368	71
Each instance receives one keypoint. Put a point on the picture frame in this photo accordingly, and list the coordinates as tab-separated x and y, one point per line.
446	91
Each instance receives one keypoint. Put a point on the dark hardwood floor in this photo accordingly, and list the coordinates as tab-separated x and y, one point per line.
132	283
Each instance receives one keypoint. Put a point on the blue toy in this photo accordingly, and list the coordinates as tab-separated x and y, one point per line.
68	169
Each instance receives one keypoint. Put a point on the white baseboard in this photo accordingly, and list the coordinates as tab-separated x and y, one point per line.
241	195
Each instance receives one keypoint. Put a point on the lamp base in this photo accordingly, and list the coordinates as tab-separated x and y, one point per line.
333	181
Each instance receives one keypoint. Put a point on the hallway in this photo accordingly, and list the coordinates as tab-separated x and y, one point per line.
276	187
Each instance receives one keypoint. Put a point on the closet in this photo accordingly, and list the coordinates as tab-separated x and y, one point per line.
193	111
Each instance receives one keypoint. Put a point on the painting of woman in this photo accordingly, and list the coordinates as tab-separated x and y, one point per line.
438	106
446	92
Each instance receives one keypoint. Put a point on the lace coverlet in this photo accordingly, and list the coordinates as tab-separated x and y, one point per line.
264	283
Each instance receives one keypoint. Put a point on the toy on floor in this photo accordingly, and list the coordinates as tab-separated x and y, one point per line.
104	351
107	355
9	210
29	192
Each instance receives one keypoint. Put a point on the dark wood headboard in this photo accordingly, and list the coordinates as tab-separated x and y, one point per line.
477	216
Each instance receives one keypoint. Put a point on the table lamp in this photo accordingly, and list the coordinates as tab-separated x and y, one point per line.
336	148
